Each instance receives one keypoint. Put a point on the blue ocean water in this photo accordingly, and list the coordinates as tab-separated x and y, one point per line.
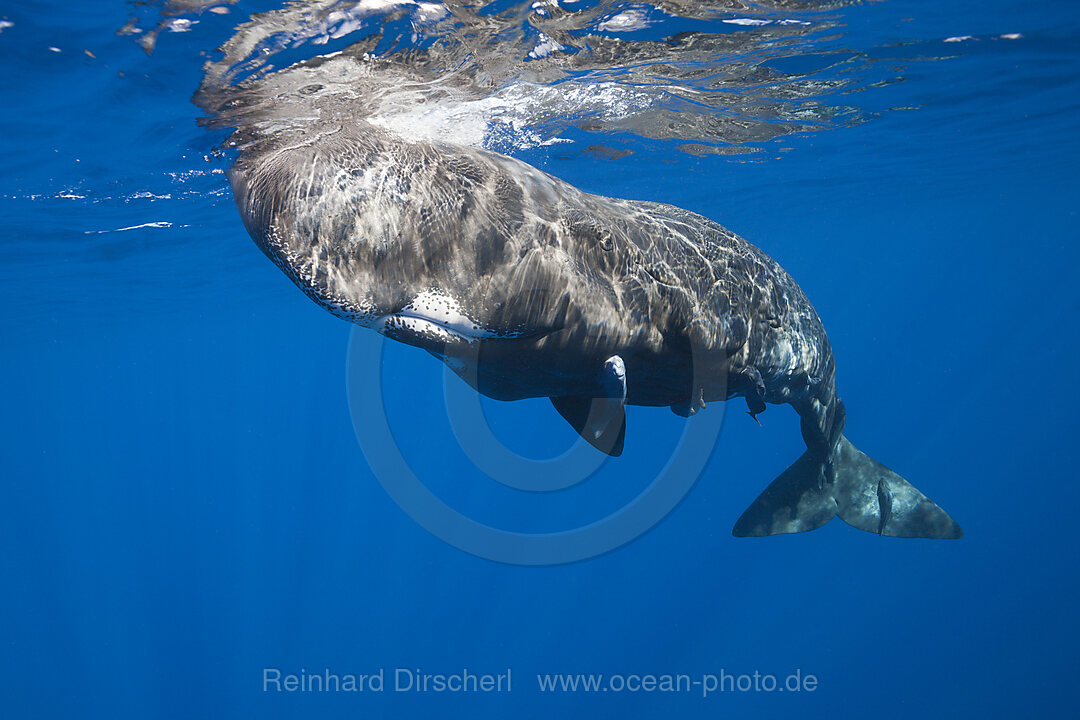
186	504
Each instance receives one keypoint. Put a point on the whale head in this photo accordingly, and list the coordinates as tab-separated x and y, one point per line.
422	245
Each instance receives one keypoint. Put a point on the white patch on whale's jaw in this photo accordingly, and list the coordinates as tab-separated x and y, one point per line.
404	328
434	316
436	308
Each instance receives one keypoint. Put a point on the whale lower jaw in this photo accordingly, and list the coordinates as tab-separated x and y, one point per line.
434	317
408	326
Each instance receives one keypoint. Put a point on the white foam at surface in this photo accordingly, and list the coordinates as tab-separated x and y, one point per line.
544	47
155	225
462	124
427	12
506	118
747	21
632	19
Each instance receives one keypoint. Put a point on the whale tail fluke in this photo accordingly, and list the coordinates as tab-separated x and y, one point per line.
863	492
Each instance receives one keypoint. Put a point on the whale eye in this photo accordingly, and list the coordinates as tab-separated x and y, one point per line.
310	89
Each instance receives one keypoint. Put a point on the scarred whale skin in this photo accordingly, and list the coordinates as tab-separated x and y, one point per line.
527	286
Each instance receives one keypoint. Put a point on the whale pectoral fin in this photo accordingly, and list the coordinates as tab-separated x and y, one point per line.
601	421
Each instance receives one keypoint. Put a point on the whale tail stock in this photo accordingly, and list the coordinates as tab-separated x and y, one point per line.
863	492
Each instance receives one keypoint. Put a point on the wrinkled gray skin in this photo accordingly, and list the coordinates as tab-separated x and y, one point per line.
546	283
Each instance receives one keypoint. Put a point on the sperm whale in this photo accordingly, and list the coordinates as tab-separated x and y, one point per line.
529	287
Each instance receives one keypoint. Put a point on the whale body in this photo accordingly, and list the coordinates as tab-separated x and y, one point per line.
528	287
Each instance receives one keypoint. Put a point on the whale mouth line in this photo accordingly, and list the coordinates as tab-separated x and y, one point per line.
414	327
413	322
